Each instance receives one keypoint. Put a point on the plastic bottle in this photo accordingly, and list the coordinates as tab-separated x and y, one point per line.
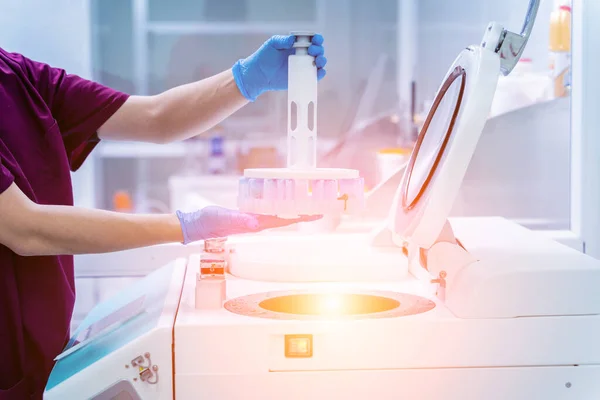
389	160
217	162
122	202
560	48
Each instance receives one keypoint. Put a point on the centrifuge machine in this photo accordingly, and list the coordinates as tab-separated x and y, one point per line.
423	307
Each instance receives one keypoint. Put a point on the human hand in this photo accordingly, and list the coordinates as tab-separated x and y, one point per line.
214	222
267	68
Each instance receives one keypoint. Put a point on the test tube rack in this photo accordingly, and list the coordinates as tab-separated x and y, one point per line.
301	188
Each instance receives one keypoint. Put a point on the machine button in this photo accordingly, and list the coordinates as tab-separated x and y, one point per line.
298	346
139	360
145	374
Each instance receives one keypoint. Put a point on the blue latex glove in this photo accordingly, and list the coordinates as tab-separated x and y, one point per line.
267	68
215	222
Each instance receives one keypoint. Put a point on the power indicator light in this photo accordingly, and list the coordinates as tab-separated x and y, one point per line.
298	346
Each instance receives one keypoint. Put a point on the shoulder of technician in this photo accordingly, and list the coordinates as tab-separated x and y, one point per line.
77	106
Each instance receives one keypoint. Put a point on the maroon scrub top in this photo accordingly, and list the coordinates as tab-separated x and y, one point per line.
48	125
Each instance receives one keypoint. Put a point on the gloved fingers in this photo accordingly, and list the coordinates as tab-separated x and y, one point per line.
233	222
321	73
317	39
309	218
301	218
183	222
315	50
241	222
320	61
281	42
271	221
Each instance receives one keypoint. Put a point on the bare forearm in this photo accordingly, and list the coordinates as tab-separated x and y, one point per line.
191	109
176	114
57	230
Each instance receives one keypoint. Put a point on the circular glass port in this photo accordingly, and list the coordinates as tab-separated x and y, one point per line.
433	138
329	304
301	305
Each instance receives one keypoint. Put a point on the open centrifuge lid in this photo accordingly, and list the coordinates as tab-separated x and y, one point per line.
444	148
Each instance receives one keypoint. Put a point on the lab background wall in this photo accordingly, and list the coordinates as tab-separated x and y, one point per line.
99	39
62	40
446	27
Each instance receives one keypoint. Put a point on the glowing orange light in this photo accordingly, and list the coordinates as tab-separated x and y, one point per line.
298	346
331	304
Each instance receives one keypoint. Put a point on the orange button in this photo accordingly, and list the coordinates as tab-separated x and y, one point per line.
298	346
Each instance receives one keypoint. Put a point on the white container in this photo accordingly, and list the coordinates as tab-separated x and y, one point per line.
523	87
302	106
389	160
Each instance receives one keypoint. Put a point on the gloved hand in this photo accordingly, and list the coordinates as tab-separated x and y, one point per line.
267	68
215	222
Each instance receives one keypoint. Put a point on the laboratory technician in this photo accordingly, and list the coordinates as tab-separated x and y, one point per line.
49	123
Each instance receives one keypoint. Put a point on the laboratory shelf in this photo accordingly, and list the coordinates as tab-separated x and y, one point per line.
220	28
115	149
140	150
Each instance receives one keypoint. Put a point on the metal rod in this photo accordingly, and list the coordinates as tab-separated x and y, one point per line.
511	45
532	10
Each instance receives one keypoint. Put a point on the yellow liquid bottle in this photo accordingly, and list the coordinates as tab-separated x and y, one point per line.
560	48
